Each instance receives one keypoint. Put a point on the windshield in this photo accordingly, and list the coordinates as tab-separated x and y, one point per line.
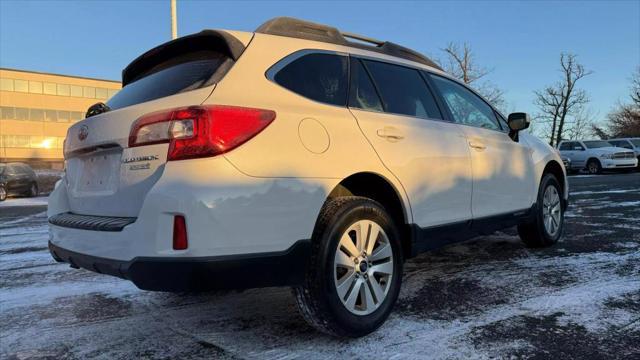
635	142
169	81
596	144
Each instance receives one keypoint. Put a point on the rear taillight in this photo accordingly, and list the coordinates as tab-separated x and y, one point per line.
200	131
180	241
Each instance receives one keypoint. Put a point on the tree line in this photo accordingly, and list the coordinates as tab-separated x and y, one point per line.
563	111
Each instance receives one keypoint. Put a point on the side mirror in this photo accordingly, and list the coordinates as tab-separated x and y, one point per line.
518	121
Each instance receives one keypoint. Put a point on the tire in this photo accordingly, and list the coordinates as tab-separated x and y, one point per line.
33	190
536	233
3	193
318	298
594	167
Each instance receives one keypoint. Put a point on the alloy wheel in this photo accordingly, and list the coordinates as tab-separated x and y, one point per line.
363	267
551	210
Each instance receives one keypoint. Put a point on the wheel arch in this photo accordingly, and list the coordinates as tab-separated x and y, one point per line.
591	158
554	168
382	190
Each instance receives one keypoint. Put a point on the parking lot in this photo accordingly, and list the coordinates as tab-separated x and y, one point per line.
488	297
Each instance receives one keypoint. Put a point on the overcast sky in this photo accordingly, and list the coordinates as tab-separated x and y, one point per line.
520	41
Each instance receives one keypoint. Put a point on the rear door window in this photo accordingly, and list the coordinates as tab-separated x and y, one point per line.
171	80
318	76
403	90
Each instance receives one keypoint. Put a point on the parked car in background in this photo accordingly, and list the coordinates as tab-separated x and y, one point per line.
628	143
596	155
567	163
17	179
295	155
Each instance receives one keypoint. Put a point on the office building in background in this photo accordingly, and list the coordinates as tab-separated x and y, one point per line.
36	109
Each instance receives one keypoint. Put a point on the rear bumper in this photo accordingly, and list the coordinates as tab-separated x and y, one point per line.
177	274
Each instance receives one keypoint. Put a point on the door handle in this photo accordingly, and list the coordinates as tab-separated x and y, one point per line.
390	133
477	145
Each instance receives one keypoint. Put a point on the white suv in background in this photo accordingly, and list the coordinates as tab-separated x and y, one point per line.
596	155
294	156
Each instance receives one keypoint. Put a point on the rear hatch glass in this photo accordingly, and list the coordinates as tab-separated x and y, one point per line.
171	80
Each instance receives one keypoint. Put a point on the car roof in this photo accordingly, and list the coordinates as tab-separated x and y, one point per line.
306	30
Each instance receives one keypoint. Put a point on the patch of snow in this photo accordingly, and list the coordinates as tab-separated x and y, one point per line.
34	201
604	192
49	172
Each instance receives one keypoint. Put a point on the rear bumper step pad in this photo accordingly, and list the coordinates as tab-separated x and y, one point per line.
91	222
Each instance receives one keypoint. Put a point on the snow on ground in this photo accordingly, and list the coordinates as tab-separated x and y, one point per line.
49	172
486	298
25	201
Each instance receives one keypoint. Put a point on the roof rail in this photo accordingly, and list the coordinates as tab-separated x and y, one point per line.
301	29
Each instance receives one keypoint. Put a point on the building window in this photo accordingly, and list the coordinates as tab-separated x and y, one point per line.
63	90
76	116
7	113
21	85
50	115
101	93
112	92
15	141
89	92
35	141
22	114
35	87
49	89
6	84
76	91
37	115
63	116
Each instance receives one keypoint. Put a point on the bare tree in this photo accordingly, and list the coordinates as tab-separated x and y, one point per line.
559	101
549	102
460	63
624	119
635	87
599	132
581	125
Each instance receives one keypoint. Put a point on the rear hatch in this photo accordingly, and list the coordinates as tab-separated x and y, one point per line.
107	177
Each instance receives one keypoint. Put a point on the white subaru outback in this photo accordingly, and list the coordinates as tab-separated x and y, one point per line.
295	155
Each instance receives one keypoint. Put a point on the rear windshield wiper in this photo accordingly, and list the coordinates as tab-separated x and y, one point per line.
97	108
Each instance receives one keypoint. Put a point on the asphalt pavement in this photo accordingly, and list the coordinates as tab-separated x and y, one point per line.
488	297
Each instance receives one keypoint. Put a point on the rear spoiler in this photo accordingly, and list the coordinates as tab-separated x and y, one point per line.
156	59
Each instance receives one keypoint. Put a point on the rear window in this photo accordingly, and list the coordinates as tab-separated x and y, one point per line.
319	77
565	146
170	80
